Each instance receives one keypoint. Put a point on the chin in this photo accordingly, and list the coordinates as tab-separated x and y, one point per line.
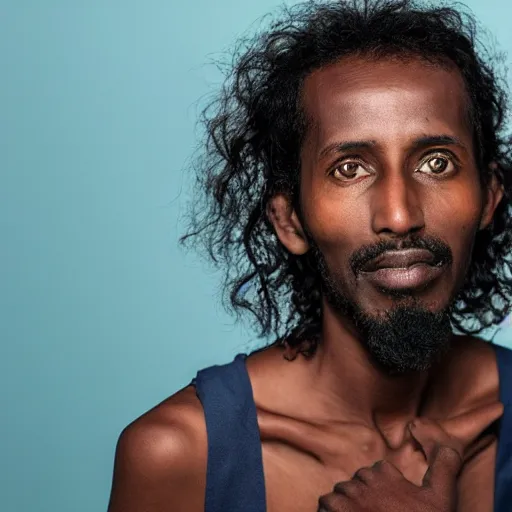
403	300
407	337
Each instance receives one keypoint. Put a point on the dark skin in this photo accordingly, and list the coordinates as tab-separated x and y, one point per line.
321	420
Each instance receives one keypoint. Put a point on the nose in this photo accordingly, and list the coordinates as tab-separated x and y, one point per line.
396	206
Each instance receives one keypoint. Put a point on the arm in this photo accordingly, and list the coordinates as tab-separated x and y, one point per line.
160	463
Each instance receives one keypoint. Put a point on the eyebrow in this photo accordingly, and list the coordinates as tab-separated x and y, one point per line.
437	140
340	147
419	143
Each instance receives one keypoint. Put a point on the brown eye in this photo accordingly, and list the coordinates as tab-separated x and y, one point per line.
349	170
436	164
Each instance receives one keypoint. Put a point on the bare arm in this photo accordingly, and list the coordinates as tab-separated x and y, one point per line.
160	463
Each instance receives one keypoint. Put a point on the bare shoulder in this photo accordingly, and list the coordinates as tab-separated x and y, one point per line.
160	462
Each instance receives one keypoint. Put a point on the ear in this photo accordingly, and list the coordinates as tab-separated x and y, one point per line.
287	224
493	196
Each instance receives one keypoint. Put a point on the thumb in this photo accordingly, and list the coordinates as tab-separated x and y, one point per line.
444	442
442	452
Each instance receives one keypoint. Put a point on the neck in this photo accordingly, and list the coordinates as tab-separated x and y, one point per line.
349	381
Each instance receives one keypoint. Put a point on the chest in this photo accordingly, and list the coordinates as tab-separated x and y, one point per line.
295	480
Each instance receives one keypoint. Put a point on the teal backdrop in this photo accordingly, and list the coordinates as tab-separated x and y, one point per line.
102	315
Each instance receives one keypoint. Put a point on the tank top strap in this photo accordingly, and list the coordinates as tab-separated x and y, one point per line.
503	479
234	475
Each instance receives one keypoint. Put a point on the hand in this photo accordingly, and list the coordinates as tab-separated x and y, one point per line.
383	488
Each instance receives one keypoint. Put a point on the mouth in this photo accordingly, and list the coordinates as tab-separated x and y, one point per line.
403	269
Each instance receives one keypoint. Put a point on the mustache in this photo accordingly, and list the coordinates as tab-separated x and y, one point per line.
440	251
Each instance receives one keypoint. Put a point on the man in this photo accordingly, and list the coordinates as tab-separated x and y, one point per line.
358	179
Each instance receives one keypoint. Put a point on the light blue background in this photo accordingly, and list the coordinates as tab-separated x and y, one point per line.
102	315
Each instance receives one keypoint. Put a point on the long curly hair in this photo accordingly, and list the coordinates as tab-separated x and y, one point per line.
254	130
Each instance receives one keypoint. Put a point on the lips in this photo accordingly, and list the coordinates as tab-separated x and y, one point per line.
400	259
403	269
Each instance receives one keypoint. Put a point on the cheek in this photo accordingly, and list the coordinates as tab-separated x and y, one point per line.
334	221
455	216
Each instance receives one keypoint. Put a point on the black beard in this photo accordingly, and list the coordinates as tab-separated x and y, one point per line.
409	338
406	338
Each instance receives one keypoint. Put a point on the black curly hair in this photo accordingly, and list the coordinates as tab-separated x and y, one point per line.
254	131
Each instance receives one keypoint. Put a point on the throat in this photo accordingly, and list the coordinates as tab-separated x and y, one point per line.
351	387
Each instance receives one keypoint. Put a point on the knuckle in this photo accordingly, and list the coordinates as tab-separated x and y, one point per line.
351	489
384	466
323	504
364	475
377	466
329	502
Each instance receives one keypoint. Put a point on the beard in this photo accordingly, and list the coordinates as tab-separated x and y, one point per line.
408	337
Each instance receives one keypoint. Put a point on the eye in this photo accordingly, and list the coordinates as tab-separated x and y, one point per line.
349	170
436	164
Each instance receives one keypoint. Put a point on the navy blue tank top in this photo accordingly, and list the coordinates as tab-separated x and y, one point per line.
234	475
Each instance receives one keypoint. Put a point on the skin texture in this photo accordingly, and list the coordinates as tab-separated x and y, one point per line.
325	418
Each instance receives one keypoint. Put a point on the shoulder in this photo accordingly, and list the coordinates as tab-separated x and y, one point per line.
172	432
160	461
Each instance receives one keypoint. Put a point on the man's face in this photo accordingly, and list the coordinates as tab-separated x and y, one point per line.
390	192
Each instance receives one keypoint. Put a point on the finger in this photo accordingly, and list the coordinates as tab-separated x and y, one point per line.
429	435
350	488
333	501
443	454
442	473
365	475
468	426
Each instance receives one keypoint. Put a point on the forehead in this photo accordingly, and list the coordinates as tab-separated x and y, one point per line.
386	100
